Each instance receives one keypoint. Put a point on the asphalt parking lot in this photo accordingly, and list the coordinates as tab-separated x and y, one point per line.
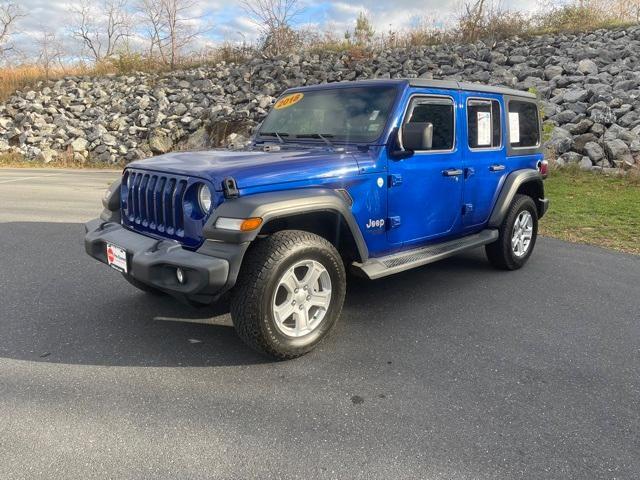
451	371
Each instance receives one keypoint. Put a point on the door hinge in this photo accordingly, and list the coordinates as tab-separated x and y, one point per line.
393	222
467	208
395	179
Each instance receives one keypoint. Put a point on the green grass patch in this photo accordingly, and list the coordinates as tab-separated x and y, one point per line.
594	208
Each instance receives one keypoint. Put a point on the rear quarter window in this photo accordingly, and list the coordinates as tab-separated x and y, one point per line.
524	124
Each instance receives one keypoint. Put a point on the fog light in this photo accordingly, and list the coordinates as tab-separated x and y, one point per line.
180	275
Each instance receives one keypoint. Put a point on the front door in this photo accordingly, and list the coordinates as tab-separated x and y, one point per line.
425	190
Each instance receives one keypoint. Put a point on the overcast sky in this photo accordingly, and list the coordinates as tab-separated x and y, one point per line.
228	22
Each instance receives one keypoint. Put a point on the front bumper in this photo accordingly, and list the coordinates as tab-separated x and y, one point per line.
209	272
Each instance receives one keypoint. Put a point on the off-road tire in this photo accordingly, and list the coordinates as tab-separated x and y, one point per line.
142	286
262	267
500	253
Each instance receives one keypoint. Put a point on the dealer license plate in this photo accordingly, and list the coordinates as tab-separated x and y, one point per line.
117	257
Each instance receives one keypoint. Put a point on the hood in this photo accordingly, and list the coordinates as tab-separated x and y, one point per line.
254	168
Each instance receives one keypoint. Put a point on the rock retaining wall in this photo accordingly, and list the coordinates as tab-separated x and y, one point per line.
589	85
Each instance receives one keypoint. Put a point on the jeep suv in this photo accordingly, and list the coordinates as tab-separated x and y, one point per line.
375	177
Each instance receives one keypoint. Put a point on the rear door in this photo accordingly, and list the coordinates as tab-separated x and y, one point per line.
484	152
425	190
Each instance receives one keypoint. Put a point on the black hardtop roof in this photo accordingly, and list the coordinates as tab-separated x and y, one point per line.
426	83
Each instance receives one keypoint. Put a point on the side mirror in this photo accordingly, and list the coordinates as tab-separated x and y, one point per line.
417	136
396	150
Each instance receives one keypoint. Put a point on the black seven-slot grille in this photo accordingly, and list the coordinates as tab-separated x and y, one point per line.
154	203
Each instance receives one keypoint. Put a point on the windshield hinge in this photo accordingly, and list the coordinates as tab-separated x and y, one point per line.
270	147
230	188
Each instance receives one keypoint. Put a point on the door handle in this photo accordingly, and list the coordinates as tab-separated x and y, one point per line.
452	172
497	168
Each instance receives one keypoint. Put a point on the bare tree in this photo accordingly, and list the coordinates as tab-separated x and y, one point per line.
628	10
491	21
274	21
101	27
9	15
152	14
171	25
51	51
471	20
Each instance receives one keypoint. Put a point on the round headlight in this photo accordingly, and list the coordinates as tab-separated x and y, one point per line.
204	198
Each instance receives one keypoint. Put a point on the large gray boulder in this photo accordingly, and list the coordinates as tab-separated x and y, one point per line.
594	151
553	71
583	126
577	95
79	145
570	157
46	156
587	67
561	141
580	141
618	153
585	163
160	142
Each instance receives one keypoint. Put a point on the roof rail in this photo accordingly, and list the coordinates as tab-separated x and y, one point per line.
424	83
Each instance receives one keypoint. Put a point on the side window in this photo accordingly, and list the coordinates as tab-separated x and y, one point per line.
524	127
484	123
439	112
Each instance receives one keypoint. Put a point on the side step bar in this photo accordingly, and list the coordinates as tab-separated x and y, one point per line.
399	262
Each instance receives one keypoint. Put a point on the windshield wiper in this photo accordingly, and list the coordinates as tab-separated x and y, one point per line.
322	136
275	134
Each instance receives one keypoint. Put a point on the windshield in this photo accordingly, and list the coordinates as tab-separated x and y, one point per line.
354	114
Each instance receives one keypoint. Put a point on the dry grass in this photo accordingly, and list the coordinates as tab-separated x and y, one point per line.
20	77
14	160
24	76
582	18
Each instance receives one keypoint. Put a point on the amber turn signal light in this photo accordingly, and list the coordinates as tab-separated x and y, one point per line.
239	224
250	224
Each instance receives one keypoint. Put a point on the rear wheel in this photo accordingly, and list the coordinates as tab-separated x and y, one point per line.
289	293
517	235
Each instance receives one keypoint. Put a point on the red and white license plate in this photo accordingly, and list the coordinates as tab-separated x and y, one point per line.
117	257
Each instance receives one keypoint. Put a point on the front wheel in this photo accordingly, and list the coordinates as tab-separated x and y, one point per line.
289	293
517	235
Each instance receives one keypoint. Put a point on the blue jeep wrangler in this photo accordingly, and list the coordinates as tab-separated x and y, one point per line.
374	176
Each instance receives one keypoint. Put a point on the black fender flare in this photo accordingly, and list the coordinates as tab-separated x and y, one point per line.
111	202
509	189
111	197
280	204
